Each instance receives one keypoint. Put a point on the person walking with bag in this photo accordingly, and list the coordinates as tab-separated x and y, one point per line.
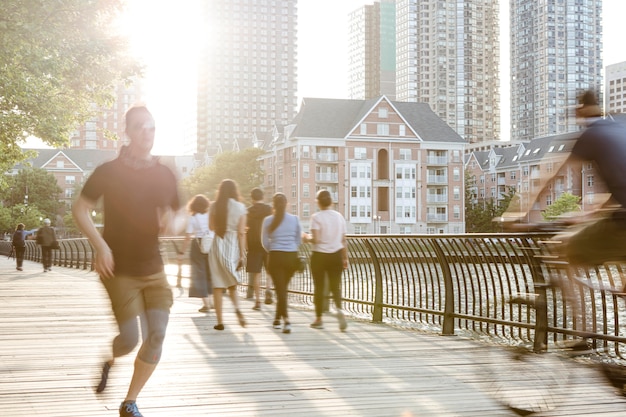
19	244
197	231
329	257
228	255
281	235
47	239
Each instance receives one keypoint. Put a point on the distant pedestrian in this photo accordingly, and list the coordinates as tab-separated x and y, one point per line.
197	227
47	239
329	257
227	218
18	244
281	236
257	256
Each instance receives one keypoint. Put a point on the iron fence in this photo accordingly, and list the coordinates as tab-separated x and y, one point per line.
482	285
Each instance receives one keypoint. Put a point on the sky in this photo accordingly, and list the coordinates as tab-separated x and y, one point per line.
165	38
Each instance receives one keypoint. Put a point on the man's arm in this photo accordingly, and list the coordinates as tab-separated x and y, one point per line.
104	257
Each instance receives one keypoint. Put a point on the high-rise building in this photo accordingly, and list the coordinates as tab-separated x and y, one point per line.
447	55
372	51
555	54
615	88
247	71
105	130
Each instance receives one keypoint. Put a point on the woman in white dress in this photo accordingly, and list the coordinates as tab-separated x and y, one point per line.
227	256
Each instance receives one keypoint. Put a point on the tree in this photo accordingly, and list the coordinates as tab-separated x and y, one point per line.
566	203
34	187
242	167
58	59
480	214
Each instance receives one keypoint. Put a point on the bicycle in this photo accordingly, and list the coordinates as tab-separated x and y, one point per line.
561	287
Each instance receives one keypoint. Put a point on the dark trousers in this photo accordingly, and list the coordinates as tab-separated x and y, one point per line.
19	255
46	257
281	267
326	265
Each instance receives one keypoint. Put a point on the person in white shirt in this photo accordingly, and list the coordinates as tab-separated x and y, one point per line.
198	226
329	258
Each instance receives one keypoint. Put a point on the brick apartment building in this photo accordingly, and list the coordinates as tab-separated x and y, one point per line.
391	167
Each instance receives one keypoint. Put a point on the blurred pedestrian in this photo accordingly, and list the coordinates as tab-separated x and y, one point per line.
18	243
228	255
257	256
329	257
281	236
47	239
139	195
197	227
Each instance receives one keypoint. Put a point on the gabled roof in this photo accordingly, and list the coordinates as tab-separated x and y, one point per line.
336	118
83	159
508	156
544	147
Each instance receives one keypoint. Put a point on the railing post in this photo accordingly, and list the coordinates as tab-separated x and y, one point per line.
448	311
377	312
540	341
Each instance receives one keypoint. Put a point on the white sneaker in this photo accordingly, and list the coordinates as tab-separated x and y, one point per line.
343	325
287	328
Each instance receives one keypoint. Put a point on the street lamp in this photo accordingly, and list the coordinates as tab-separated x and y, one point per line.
377	219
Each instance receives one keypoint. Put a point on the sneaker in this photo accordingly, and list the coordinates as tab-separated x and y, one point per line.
129	409
317	324
204	309
257	306
287	328
276	324
343	325
268	297
104	377
19	268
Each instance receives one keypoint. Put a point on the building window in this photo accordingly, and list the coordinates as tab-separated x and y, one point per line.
589	180
456	192
305	171
360	153
280	174
405	154
456	212
69	193
383	112
294	192
306	210
513	175
294	173
363	129
306	151
305	190
353	211
402	130
382	129
70	179
456	174
353	191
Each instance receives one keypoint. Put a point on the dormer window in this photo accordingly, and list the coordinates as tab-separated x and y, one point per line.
383	112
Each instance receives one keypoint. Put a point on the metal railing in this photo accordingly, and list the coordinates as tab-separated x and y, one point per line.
451	284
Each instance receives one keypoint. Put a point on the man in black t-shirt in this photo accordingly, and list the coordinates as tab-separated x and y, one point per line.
137	193
257	256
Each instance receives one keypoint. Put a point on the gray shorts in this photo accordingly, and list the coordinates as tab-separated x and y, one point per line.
596	242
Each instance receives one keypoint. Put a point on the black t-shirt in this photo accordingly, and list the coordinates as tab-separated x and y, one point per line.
132	199
256	213
604	142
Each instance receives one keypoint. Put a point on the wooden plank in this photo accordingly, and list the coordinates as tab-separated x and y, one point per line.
56	329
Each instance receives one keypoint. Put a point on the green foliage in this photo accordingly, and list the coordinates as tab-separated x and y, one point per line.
57	59
243	167
41	188
480	213
566	203
20	213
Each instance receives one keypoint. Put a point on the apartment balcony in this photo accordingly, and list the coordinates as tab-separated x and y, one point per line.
327	177
437	160
436	218
437	179
327	157
437	198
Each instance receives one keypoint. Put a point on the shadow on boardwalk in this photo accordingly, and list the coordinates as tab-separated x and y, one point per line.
55	330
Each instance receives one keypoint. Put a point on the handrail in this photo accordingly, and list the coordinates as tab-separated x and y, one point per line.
452	284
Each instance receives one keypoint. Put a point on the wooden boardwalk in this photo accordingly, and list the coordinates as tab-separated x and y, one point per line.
56	328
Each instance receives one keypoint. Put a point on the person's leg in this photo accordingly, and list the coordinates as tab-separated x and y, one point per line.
335	270
234	297
318	272
256	282
279	274
19	257
217	303
149	354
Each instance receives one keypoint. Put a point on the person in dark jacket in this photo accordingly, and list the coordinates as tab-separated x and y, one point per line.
46	238
19	244
257	256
